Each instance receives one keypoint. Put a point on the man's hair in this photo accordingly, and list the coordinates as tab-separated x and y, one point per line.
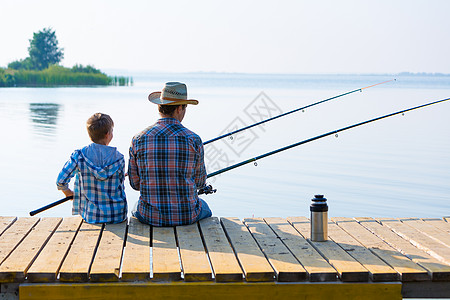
168	110
98	126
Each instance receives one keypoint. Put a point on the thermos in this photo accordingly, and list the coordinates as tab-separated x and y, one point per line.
319	219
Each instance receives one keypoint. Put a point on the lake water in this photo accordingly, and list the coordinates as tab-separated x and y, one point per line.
395	167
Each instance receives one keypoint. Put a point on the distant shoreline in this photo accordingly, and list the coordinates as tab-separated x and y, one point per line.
153	72
58	76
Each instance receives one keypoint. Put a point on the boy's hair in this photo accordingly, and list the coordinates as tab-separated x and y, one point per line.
168	110
98	126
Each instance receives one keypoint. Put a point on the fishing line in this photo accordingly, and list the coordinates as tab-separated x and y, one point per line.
335	132
292	111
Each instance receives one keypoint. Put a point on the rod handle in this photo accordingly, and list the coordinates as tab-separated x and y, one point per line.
39	210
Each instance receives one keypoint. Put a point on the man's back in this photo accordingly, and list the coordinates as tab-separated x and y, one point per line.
166	165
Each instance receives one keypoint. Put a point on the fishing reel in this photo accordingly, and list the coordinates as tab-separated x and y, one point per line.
207	189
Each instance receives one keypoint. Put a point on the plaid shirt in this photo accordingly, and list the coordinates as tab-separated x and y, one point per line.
99	192
167	167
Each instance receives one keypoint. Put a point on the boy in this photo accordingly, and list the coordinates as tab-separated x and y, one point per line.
99	192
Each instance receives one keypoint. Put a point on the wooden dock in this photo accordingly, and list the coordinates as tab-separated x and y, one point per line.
264	258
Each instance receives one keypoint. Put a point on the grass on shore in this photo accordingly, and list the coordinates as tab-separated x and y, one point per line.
58	76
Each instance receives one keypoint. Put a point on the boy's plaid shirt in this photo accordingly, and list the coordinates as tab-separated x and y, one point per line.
167	166
99	193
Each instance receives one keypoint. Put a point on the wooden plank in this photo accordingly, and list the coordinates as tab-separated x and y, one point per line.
378	269
302	225
46	267
5	223
14	268
166	262
347	267
391	248
316	266
429	230
136	259
250	257
193	256
106	265
426	289
14	235
223	261
286	266
75	267
216	291
438	223
418	239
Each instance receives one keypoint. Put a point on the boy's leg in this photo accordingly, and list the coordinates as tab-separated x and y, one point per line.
205	212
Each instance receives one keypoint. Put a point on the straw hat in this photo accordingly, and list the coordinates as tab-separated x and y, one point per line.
173	93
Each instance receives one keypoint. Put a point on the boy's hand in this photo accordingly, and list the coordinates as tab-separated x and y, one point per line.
68	192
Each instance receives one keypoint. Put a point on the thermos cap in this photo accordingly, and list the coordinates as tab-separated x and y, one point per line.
319	204
319	198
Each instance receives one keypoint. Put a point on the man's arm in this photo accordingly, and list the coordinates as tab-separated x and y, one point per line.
133	172
200	170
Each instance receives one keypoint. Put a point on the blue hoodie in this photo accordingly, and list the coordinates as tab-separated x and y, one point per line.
99	192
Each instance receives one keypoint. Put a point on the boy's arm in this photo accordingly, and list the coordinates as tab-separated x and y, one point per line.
133	172
68	192
67	172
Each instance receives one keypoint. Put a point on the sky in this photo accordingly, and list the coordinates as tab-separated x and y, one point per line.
245	36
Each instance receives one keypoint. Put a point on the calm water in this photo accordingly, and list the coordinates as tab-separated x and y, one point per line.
395	167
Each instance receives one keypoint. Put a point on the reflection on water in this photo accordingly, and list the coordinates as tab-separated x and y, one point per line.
44	117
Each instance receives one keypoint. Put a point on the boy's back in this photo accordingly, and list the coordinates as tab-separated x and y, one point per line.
99	192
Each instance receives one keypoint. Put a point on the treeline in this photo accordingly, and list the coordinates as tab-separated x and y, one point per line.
56	75
422	74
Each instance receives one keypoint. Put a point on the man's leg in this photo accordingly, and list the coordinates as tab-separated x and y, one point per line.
135	213
205	212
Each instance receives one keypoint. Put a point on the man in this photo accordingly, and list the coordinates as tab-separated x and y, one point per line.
167	164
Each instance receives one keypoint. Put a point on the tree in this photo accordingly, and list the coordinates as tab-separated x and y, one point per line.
44	49
87	69
22	64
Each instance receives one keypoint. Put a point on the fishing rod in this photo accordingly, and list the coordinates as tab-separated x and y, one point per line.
293	111
319	137
207	189
39	210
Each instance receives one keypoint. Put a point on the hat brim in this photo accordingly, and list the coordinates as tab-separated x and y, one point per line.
155	97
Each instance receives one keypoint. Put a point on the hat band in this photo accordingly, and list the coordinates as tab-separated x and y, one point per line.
171	99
